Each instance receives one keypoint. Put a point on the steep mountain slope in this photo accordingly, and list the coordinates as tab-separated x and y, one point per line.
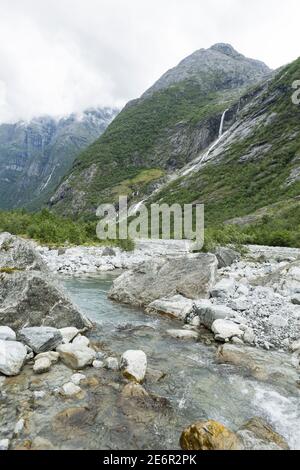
34	156
161	132
256	163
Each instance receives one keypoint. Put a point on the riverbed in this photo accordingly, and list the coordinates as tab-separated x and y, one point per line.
195	386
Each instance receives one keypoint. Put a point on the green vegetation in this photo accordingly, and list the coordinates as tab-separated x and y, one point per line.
50	229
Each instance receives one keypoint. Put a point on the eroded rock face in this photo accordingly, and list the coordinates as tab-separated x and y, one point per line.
192	276
209	435
12	357
35	298
19	254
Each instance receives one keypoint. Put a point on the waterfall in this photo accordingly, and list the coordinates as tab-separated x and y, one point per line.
222	123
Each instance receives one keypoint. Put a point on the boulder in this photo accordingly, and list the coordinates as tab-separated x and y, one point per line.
51	355
42	365
12	357
177	307
108	252
209	313
68	334
183	334
40	339
19	255
226	256
209	435
76	357
70	390
257	433
134	365
192	276
224	288
33	298
81	341
224	330
7	334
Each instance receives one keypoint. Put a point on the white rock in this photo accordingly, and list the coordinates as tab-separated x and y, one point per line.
70	390
39	395
178	307
277	321
78	378
249	336
224	288
19	427
51	355
183	334
4	444
134	365
12	357
68	334
81	341
76	357
111	363
7	334
42	365
98	364
226	329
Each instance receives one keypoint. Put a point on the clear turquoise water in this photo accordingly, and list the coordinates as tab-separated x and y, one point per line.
196	385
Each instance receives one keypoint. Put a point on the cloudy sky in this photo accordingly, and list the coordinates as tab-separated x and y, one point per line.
61	56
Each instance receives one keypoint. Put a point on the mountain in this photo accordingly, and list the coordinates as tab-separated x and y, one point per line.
157	135
34	156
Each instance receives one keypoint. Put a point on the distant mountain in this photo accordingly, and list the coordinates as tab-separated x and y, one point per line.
155	136
35	155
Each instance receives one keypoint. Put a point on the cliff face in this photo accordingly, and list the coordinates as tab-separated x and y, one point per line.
35	156
157	135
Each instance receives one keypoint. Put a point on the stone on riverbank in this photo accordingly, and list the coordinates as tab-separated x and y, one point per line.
12	357
224	330
209	435
76	357
40	339
209	313
42	365
226	256
177	307
134	365
68	334
192	276
18	254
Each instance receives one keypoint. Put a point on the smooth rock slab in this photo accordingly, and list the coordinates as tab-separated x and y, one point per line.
76	357
177	307
7	334
40	339
225	330
12	357
134	365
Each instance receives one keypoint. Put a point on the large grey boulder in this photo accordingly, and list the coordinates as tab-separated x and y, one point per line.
40	339
226	256
12	357
192	276
19	254
34	298
209	313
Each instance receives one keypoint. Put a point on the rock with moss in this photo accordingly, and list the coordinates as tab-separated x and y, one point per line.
209	435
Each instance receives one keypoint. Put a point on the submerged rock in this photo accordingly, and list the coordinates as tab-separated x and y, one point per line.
134	390
258	434
70	390
12	357
134	365
40	339
209	435
192	276
183	334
